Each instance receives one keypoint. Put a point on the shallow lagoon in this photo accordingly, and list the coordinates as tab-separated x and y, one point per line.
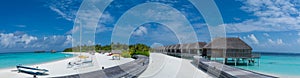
8	60
280	64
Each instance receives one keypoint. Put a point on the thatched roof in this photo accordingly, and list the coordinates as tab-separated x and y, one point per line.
231	43
168	47
177	46
197	45
172	46
184	46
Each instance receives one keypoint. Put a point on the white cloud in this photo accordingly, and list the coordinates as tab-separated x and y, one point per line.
61	13
25	41
11	40
21	26
106	18
140	31
45	38
253	38
155	45
277	42
68	40
75	29
277	15
237	19
102	28
266	34
67	10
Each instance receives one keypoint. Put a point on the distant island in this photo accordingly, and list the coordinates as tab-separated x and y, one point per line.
39	51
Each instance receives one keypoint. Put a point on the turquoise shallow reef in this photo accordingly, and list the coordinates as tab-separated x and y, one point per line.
8	60
281	64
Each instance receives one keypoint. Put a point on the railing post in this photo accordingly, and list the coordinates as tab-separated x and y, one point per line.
235	62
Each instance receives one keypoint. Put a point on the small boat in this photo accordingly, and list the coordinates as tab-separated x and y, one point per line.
31	70
53	51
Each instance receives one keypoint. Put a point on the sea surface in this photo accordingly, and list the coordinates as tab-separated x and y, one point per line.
277	64
280	64
8	60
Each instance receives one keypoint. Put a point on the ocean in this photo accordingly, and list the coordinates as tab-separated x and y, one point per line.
8	60
280	64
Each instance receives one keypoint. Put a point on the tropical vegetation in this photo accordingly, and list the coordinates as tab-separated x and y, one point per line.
127	50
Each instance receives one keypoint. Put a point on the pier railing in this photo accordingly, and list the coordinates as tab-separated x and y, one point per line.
223	71
255	55
235	55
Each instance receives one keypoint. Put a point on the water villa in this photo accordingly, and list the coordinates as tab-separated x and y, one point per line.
182	50
234	49
231	50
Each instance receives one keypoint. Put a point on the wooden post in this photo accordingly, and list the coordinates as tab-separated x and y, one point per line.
224	60
235	62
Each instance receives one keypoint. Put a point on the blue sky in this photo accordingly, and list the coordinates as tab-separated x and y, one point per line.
269	25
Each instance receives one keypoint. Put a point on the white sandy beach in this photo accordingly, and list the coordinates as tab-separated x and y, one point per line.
164	66
61	67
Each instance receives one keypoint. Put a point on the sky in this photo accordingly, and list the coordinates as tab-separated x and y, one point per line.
266	25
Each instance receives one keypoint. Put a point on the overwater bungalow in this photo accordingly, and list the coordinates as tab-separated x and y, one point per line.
189	49
229	48
185	48
168	49
176	48
196	48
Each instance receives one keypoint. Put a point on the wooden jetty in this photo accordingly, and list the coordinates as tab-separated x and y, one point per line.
223	71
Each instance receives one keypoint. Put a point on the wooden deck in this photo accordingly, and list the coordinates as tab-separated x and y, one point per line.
223	71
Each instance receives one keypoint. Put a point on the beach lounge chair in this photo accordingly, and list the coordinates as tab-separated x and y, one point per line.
116	56
31	70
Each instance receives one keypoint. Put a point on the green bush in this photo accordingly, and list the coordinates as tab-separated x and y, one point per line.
126	54
146	53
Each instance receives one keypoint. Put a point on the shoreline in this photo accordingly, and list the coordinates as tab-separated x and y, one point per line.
60	67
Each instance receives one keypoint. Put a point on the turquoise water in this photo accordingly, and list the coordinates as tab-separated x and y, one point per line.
277	64
8	60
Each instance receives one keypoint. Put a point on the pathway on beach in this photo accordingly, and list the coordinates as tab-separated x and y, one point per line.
164	66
